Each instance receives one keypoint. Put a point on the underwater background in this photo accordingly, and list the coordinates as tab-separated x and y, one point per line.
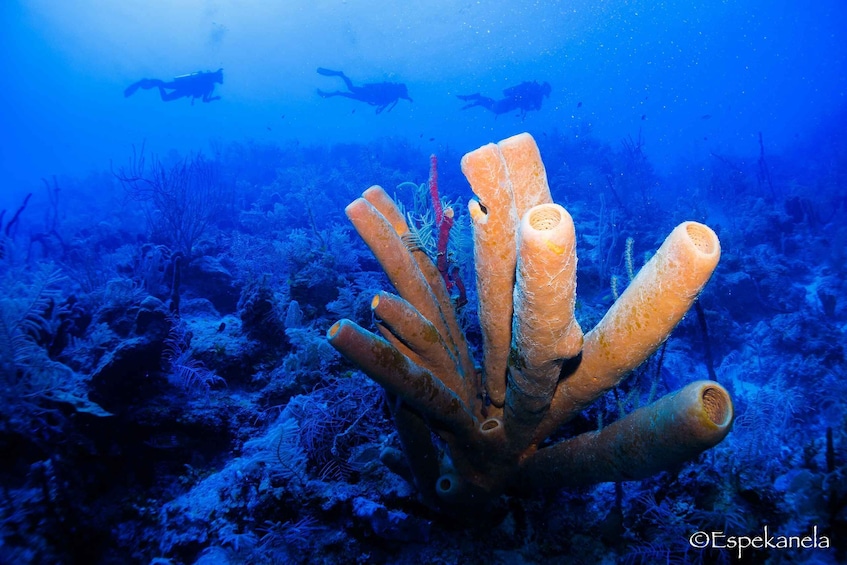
169	269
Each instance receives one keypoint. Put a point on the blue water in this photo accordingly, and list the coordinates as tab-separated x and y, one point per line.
169	271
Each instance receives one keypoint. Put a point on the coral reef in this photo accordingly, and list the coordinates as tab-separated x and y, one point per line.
229	430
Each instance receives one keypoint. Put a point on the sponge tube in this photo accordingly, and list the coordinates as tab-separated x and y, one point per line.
494	222
418	335
665	434
639	321
381	361
396	260
527	174
508	179
444	313
544	333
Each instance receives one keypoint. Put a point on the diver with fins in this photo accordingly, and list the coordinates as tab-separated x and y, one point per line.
195	85
383	95
526	96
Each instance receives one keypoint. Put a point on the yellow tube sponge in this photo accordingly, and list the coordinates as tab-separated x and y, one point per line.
381	224
539	369
417	334
663	435
508	179
401	377
527	174
545	332
494	222
396	260
640	320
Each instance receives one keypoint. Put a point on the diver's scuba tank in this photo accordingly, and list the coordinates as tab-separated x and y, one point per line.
214	76
182	79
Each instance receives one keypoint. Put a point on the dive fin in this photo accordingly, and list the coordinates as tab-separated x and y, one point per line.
329	73
145	83
130	90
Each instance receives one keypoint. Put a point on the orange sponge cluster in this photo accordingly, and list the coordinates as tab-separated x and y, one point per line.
538	370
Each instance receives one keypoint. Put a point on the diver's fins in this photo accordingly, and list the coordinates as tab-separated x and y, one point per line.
145	83
329	73
130	90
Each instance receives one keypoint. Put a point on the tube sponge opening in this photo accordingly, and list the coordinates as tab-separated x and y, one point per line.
703	238
716	405
545	218
490	425
449	487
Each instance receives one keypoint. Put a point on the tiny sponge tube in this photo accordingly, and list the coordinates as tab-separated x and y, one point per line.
658	437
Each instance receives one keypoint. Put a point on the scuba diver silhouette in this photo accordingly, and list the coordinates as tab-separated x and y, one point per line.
195	85
525	97
380	94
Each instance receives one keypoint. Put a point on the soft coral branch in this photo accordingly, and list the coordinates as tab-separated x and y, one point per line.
443	225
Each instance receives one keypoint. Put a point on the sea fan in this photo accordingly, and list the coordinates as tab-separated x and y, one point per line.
23	362
280	448
190	372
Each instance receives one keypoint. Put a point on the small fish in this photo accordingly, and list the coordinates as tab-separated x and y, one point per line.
579	104
643	117
706	117
432	139
282	117
269	128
